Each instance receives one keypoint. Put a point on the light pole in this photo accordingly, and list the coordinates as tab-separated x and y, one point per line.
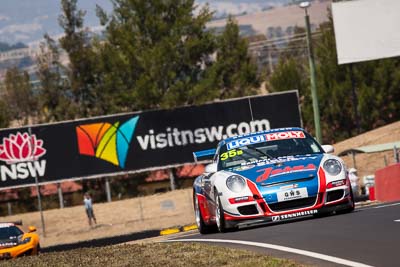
314	95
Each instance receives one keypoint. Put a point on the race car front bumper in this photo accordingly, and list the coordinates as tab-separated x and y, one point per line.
293	215
17	251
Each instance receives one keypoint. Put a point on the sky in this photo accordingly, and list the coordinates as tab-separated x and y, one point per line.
28	20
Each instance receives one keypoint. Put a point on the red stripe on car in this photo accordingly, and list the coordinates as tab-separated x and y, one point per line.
258	197
203	207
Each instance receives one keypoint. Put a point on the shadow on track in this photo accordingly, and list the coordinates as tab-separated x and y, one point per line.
101	242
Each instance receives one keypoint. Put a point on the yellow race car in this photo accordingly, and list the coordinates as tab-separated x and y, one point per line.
14	242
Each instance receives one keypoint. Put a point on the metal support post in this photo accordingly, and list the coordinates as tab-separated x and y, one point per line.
9	208
38	189
108	191
172	179
313	82
60	195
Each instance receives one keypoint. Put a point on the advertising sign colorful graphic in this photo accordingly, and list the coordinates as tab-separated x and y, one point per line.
106	141
136	141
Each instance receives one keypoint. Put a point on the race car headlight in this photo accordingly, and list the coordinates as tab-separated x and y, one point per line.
26	240
235	183
332	166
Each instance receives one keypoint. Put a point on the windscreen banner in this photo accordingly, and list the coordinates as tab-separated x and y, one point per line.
134	142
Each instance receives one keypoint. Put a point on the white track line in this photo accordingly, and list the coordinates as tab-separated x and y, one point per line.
281	248
384	206
397	220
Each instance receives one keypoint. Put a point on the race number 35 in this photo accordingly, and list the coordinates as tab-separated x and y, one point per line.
231	154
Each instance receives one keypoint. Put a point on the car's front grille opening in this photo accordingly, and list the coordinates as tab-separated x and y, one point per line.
293	204
299	180
263	207
248	210
334	195
320	198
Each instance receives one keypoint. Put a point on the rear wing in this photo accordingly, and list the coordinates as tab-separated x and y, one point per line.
204	154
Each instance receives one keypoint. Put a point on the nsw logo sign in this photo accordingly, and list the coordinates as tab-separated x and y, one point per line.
21	153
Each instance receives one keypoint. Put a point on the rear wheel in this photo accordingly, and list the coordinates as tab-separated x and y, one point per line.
201	225
219	214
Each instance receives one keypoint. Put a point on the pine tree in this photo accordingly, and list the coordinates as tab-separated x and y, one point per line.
55	99
4	115
19	96
334	89
233	74
161	48
82	58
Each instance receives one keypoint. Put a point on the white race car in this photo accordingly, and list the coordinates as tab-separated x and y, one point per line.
269	176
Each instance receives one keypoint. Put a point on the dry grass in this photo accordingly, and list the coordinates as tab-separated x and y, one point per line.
152	254
368	163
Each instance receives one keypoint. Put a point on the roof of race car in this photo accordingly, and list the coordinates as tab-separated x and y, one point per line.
229	139
9	224
5	225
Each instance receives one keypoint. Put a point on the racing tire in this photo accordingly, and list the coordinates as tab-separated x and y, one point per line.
201	225
219	214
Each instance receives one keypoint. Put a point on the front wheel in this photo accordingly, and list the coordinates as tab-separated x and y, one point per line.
201	225
219	214
38	249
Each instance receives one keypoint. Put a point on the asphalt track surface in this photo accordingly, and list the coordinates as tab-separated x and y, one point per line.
369	236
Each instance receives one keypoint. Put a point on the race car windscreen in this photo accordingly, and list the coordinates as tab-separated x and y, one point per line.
251	149
10	232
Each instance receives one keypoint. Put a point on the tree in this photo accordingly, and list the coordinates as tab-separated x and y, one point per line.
333	85
161	49
82	58
55	101
292	73
334	89
288	75
153	54
4	115
375	82
233	74
20	99
378	84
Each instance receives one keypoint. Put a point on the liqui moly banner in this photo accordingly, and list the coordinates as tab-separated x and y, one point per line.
133	142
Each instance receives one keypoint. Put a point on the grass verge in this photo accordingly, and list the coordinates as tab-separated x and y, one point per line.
152	254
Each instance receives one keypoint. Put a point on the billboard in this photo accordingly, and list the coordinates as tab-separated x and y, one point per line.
134	142
366	29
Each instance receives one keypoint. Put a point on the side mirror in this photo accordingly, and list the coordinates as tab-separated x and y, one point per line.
211	168
328	149
31	229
